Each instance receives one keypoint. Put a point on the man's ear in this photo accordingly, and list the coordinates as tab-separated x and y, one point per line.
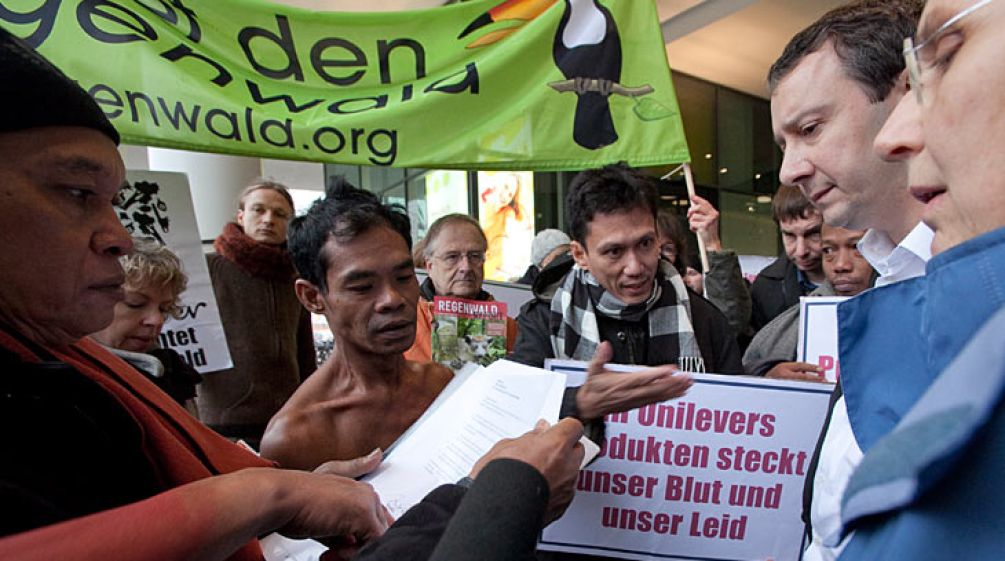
579	255
310	296
240	216
903	84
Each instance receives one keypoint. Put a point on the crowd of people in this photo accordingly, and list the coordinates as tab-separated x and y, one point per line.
892	196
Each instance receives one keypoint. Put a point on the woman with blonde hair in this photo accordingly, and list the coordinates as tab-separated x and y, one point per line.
155	280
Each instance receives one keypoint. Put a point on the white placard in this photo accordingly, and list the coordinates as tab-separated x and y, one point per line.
159	205
717	474
818	333
502	400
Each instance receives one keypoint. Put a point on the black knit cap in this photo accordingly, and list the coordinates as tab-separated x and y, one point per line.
34	93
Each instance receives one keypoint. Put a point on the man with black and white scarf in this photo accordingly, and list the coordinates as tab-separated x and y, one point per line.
616	288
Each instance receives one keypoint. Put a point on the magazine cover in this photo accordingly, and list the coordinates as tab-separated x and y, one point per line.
468	331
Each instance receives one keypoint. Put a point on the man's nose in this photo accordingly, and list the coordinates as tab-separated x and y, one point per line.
110	237
843	261
389	299
796	168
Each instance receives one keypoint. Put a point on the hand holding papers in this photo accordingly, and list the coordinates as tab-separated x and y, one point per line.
477	410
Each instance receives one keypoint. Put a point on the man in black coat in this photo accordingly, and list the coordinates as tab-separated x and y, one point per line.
616	289
796	273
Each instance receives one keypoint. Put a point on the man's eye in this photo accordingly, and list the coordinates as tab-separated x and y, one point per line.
808	129
613	253
80	193
945	49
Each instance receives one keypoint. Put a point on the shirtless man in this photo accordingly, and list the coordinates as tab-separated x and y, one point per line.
355	261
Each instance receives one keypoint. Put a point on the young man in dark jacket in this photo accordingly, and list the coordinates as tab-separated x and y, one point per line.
796	273
615	288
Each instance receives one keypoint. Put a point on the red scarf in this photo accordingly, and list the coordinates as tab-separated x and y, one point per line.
259	259
181	448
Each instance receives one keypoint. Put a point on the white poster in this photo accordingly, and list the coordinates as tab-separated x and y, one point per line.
159	205
717	474
818	334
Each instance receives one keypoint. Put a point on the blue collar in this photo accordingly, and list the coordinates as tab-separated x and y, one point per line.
895	340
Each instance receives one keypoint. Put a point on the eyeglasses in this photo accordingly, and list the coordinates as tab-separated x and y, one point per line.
911	58
475	258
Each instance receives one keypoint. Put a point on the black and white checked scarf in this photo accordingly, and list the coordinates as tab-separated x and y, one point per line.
574	308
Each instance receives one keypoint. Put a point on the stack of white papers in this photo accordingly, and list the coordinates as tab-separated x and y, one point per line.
477	410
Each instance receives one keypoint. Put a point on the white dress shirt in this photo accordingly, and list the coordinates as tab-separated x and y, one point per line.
840	453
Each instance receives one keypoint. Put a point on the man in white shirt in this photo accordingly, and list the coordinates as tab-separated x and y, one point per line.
832	90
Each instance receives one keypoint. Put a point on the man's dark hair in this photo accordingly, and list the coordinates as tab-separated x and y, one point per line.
342	214
789	203
611	189
868	38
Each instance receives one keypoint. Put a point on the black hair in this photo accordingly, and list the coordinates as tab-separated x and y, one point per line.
342	214
868	38
611	189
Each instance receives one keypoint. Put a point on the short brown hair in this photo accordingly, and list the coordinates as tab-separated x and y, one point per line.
265	184
868	38
428	242
789	203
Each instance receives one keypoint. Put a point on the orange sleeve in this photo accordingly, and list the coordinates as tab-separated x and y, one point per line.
422	349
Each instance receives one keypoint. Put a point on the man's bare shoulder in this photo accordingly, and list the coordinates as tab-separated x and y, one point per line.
432	375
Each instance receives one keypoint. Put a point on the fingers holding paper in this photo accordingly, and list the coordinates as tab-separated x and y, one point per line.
554	451
607	391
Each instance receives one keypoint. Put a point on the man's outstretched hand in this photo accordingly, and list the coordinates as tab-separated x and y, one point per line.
608	392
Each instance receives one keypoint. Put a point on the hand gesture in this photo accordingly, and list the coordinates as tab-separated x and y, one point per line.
608	392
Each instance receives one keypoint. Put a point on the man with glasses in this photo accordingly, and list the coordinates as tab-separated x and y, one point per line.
832	89
929	486
454	251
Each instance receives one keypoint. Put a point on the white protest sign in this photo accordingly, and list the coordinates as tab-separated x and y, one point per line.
717	474
159	205
818	333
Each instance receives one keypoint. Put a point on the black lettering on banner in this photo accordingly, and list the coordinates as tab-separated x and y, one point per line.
384	49
285	128
329	131
223	76
132	97
135	27
44	16
470	81
168	14
391	153
378	101
357	60
284	40
291	105
215	115
177	116
98	92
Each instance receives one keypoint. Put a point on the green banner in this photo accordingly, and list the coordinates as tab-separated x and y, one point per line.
485	84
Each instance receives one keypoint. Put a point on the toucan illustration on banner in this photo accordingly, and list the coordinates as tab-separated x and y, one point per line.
587	49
